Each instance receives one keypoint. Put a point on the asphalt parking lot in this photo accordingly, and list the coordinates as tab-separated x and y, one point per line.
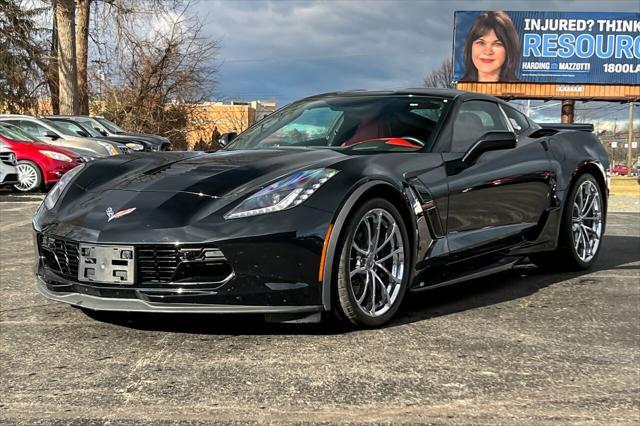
521	347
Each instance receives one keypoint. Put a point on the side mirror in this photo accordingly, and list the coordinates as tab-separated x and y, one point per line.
51	135
101	131
226	138
490	141
82	133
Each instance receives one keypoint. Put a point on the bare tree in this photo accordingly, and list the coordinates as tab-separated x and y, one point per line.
65	25
441	76
149	60
52	73
157	76
83	8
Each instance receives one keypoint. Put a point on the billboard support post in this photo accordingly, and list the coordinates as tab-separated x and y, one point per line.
568	106
630	138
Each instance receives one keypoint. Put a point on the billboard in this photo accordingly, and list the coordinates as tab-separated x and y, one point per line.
547	47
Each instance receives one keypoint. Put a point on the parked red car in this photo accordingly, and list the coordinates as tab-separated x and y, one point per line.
40	165
620	170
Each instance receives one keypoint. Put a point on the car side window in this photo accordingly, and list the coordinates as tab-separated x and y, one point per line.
518	120
474	119
33	128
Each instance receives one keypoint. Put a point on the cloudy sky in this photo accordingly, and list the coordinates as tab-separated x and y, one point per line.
285	50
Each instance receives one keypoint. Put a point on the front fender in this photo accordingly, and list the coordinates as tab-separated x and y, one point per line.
358	192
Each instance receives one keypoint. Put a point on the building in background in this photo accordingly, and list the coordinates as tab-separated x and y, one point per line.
211	119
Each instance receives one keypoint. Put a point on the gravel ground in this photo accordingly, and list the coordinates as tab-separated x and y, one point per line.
523	347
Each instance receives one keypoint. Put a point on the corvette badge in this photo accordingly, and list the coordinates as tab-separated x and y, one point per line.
111	215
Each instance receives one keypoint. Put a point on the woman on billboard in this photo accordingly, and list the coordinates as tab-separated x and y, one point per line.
491	49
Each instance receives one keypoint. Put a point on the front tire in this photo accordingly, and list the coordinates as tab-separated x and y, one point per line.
373	270
581	230
29	176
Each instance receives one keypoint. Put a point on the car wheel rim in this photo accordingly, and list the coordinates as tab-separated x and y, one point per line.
586	221
27	177
376	262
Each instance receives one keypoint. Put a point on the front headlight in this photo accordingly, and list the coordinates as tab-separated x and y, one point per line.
284	194
56	156
112	149
54	195
135	146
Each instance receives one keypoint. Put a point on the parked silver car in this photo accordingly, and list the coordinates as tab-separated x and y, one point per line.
8	171
54	135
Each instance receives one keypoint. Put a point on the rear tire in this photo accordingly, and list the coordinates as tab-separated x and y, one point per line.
29	176
373	270
581	229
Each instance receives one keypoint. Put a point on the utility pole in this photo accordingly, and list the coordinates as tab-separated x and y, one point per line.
615	137
630	137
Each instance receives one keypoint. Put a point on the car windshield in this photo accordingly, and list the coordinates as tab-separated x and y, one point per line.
347	121
90	130
90	122
112	127
13	135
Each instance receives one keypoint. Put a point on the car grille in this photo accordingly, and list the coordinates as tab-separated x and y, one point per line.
155	264
10	178
164	264
8	158
60	256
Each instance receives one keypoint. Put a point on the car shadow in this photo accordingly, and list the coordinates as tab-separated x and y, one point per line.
492	290
514	284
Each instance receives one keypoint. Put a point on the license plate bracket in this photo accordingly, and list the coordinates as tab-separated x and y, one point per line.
106	264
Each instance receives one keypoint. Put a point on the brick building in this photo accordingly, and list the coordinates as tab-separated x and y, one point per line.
222	117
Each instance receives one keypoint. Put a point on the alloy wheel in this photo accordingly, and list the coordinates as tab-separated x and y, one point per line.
376	262
586	221
27	177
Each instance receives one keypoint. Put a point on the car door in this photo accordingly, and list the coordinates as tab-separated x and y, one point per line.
495	201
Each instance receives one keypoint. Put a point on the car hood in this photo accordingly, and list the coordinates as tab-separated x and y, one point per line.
157	140
109	140
87	144
219	174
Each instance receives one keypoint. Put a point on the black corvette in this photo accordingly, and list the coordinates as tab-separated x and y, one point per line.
340	202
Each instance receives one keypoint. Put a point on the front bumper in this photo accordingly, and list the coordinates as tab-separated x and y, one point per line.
8	179
8	172
263	273
96	303
55	169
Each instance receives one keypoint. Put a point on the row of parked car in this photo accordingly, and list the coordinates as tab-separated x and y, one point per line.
35	152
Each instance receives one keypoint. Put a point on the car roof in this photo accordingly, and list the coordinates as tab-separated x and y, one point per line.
16	116
57	117
417	91
22	117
